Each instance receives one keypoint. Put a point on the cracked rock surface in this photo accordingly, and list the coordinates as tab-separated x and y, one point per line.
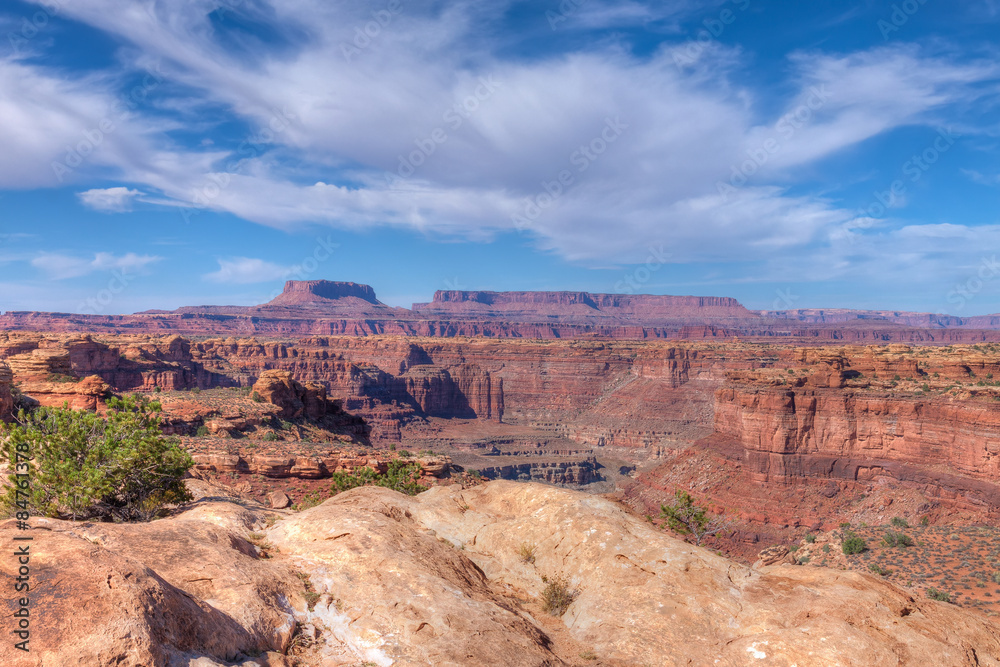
453	577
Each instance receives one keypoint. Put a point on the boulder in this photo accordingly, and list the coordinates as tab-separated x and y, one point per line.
436	466
279	500
220	426
773	556
272	465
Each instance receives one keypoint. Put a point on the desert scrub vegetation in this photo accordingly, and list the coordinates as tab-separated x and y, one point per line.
399	476
526	553
892	538
852	543
557	596
312	597
116	467
309	500
940	596
879	570
684	516
259	540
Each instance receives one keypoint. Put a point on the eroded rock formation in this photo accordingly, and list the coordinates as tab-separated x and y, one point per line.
372	576
293	398
858	414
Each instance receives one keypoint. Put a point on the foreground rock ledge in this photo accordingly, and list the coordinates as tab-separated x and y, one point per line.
439	580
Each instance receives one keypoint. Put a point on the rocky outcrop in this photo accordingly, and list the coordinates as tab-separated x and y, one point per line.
169	592
563	473
639	595
858	414
435	607
373	576
280	388
795	434
47	376
280	466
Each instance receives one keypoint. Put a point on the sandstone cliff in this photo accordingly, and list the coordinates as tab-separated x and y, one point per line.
440	579
862	413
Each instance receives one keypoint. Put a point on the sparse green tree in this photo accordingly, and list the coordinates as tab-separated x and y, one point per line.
86	466
687	518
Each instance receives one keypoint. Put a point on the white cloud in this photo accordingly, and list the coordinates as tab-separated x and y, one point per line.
246	270
981	178
109	200
657	183
58	266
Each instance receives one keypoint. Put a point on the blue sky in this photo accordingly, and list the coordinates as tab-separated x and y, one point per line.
184	152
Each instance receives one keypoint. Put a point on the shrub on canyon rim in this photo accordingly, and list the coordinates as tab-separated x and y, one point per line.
853	543
557	596
81	465
400	476
687	518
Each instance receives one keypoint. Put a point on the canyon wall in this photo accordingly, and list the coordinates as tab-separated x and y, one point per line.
926	416
860	414
604	394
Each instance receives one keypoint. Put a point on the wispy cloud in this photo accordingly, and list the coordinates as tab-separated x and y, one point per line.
58	266
355	120
982	179
246	270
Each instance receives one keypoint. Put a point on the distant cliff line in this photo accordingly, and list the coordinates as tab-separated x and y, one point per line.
322	307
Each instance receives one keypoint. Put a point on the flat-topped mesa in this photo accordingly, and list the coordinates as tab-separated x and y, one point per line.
903	318
304	292
584	303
